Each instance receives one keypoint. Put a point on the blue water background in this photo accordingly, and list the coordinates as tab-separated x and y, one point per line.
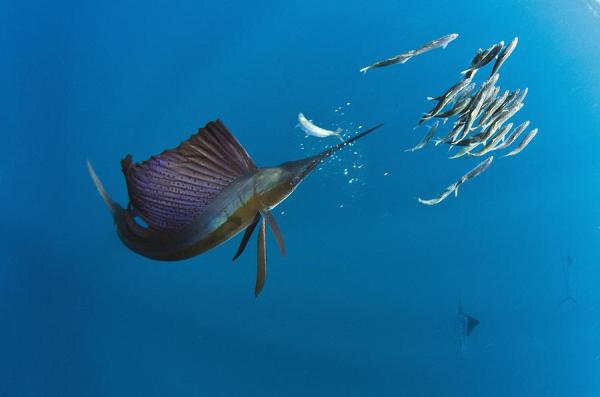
364	303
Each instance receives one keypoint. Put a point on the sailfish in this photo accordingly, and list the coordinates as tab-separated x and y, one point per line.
190	199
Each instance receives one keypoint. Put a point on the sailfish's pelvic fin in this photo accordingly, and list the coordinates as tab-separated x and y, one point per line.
261	260
247	235
275	229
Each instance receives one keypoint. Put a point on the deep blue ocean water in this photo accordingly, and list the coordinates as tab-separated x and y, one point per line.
365	302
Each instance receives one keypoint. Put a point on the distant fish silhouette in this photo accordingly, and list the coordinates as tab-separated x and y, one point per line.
567	262
203	193
465	324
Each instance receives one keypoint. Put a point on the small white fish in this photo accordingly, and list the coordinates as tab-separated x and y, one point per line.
442	42
426	139
495	141
310	129
441	197
513	137
523	143
465	150
478	170
486	57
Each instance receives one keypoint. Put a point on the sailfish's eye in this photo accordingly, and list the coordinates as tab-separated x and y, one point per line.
295	180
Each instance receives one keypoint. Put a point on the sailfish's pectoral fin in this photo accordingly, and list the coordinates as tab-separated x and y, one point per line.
275	229
261	271
247	234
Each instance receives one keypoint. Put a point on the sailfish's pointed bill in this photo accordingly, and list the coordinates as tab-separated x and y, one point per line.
349	141
275	229
308	164
247	235
261	260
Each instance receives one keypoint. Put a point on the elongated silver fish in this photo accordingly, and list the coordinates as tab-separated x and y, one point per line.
512	137
455	90
458	107
523	143
486	58
471	117
467	141
492	108
486	89
491	145
451	137
490	99
518	98
405	56
465	150
514	100
426	139
504	54
502	118
478	170
476	59
442	42
448	191
400	58
445	99
500	110
462	101
465	92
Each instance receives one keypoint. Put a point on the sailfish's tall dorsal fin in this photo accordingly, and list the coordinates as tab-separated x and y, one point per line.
170	190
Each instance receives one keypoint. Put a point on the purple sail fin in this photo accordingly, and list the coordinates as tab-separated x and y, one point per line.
170	190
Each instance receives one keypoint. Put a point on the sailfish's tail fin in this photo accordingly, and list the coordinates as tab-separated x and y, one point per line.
112	205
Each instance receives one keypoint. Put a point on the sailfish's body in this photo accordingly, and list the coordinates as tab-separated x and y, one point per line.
203	193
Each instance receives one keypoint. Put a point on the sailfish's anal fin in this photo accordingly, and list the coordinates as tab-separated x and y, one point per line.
275	229
261	270
247	235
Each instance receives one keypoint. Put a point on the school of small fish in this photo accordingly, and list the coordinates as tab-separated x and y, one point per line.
481	115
